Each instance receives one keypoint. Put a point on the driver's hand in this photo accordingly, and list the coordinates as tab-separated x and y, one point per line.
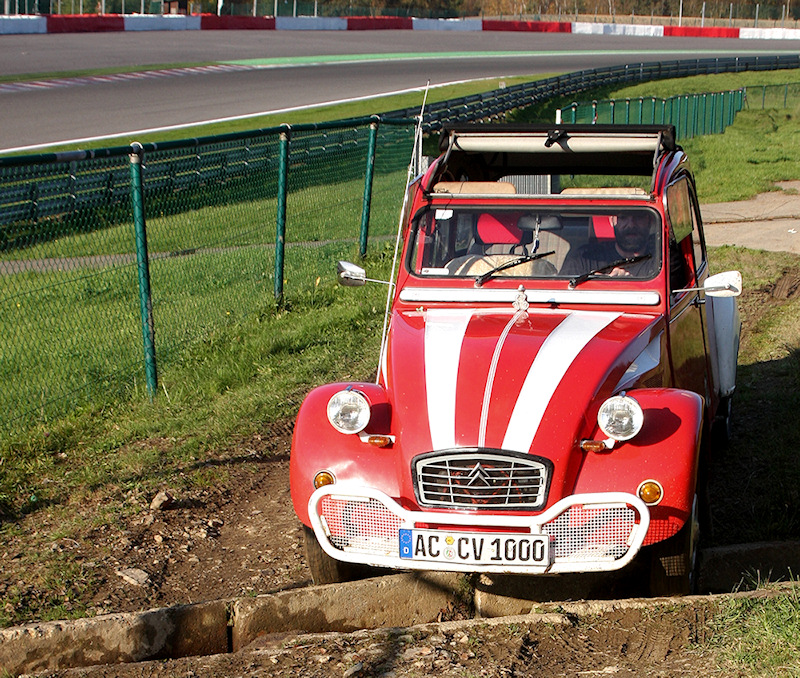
617	272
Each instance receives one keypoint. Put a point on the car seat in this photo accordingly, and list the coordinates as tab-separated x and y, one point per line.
498	233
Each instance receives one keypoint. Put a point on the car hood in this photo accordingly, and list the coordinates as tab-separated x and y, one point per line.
520	381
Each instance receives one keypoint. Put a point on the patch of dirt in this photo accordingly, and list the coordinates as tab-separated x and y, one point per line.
234	538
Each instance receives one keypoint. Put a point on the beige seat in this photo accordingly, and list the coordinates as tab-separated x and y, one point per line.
604	190
475	187
550	237
550	240
476	264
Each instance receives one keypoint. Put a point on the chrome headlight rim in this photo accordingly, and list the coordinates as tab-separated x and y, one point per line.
620	417
348	411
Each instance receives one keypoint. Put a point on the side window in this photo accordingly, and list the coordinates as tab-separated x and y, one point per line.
698	244
684	235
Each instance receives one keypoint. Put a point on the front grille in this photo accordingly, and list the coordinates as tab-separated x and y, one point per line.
482	479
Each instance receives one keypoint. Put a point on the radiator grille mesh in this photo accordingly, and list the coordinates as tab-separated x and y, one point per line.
481	480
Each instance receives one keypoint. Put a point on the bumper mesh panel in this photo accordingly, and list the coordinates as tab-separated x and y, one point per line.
580	534
361	526
587	533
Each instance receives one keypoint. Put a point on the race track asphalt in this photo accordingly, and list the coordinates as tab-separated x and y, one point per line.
387	61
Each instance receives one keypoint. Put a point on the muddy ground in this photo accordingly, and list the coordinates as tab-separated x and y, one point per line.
625	643
243	539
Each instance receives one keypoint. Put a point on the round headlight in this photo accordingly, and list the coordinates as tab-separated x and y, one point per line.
348	412
620	417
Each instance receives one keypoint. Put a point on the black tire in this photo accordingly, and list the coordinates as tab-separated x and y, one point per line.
674	561
327	570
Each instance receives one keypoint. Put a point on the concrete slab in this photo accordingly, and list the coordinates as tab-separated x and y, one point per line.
770	221
181	631
393	600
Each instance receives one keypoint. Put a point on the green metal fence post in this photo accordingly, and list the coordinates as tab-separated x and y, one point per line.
280	220
713	113
373	137
143	265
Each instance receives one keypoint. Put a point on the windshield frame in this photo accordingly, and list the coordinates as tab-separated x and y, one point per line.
576	222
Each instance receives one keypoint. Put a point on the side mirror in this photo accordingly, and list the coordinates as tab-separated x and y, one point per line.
350	275
727	284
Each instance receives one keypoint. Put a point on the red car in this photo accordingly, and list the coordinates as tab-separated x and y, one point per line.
556	356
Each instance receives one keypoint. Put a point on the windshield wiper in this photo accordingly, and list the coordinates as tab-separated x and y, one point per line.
583	277
483	277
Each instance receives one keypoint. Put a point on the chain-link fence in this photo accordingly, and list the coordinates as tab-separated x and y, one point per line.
691	114
101	255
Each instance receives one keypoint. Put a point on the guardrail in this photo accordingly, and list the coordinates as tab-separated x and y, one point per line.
492	104
222	223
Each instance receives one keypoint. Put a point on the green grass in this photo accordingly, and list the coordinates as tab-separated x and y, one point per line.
662	89
759	636
759	463
253	369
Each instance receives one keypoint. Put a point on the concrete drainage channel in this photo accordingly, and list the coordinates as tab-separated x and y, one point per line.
402	600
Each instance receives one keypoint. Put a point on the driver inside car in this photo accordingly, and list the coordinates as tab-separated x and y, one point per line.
632	248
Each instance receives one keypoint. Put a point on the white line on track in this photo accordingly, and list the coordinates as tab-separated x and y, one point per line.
154	130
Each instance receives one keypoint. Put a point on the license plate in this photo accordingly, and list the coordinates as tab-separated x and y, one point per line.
482	548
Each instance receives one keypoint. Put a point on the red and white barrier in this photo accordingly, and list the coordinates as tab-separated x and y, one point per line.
92	23
18	25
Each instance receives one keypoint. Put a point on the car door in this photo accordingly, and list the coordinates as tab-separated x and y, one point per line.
688	268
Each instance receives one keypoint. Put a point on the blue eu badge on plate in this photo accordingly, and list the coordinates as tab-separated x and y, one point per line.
405	544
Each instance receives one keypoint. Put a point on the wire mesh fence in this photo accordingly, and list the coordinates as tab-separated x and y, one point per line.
69	325
70	284
691	114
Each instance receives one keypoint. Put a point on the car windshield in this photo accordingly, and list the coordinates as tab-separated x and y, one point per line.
467	242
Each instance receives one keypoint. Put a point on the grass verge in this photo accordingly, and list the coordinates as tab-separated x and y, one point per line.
756	637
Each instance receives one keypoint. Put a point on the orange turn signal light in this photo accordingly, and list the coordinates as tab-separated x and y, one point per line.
379	441
594	446
650	492
323	478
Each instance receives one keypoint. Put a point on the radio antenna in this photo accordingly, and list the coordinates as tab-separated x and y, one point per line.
415	154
